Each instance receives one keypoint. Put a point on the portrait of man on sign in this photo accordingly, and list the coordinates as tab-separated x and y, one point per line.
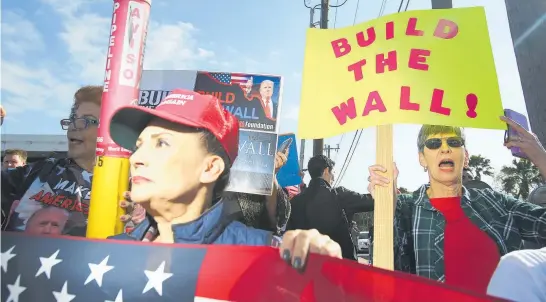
254	99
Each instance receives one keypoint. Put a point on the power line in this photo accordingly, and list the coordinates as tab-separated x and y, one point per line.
346	161
382	9
334	6
356	11
349	156
400	6
335	14
339	144
337	4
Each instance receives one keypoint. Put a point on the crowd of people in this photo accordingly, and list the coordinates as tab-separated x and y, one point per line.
467	237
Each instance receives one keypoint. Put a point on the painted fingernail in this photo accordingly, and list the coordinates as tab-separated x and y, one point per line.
286	255
297	264
125	217
275	242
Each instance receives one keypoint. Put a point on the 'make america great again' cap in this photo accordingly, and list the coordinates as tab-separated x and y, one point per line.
181	107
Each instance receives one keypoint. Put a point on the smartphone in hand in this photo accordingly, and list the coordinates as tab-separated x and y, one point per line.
285	145
510	134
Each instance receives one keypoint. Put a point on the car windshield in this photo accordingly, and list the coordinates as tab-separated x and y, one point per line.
363	235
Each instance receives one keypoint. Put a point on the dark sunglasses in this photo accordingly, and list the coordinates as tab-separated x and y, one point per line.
436	143
78	123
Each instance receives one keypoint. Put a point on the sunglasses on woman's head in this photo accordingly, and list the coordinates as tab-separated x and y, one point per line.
436	143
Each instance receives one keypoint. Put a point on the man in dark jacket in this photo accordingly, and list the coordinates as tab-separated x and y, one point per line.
327	209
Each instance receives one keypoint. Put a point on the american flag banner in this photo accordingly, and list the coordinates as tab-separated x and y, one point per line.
230	78
65	269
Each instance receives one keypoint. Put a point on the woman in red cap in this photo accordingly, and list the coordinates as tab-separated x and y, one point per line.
183	152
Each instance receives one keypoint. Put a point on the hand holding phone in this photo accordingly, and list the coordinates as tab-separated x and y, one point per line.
285	145
518	131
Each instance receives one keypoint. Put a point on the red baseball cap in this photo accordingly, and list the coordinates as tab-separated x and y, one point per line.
183	107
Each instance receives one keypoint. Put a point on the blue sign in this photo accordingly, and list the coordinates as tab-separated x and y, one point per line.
289	174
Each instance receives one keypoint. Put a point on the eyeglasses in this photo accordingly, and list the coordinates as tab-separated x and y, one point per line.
78	123
436	143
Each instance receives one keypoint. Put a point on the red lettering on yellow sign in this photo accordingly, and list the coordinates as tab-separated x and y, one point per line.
374	102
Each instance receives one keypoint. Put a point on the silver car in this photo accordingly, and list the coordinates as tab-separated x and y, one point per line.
363	242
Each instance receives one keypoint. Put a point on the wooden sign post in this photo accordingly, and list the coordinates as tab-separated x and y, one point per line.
383	216
383	237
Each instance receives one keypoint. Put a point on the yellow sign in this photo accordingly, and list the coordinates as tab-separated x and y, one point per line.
421	67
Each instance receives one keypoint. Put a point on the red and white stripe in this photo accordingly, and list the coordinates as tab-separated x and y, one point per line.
239	78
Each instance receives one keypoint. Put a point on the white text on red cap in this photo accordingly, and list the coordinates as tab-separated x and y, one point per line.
176	99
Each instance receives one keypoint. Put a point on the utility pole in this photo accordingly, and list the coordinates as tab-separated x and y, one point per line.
441	4
329	148
318	144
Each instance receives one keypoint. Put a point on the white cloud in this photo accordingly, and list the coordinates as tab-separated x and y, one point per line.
290	111
32	88
86	36
168	46
20	36
173	46
29	84
69	8
274	53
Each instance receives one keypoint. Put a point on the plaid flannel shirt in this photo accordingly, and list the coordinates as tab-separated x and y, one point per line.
419	227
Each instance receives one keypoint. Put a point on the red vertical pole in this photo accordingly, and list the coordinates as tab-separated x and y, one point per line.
124	61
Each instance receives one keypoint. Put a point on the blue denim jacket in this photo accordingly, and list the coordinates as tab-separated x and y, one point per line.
217	225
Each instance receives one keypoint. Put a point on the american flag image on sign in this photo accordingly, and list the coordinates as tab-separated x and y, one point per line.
70	269
230	78
63	270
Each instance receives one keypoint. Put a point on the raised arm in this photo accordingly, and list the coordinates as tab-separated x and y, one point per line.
530	219
354	202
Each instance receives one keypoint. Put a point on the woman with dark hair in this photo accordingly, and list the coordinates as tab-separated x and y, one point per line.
266	212
183	152
448	232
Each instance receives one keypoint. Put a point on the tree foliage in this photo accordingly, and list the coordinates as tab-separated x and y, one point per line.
479	166
520	178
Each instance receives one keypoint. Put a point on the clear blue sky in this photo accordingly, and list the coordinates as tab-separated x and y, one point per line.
51	47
